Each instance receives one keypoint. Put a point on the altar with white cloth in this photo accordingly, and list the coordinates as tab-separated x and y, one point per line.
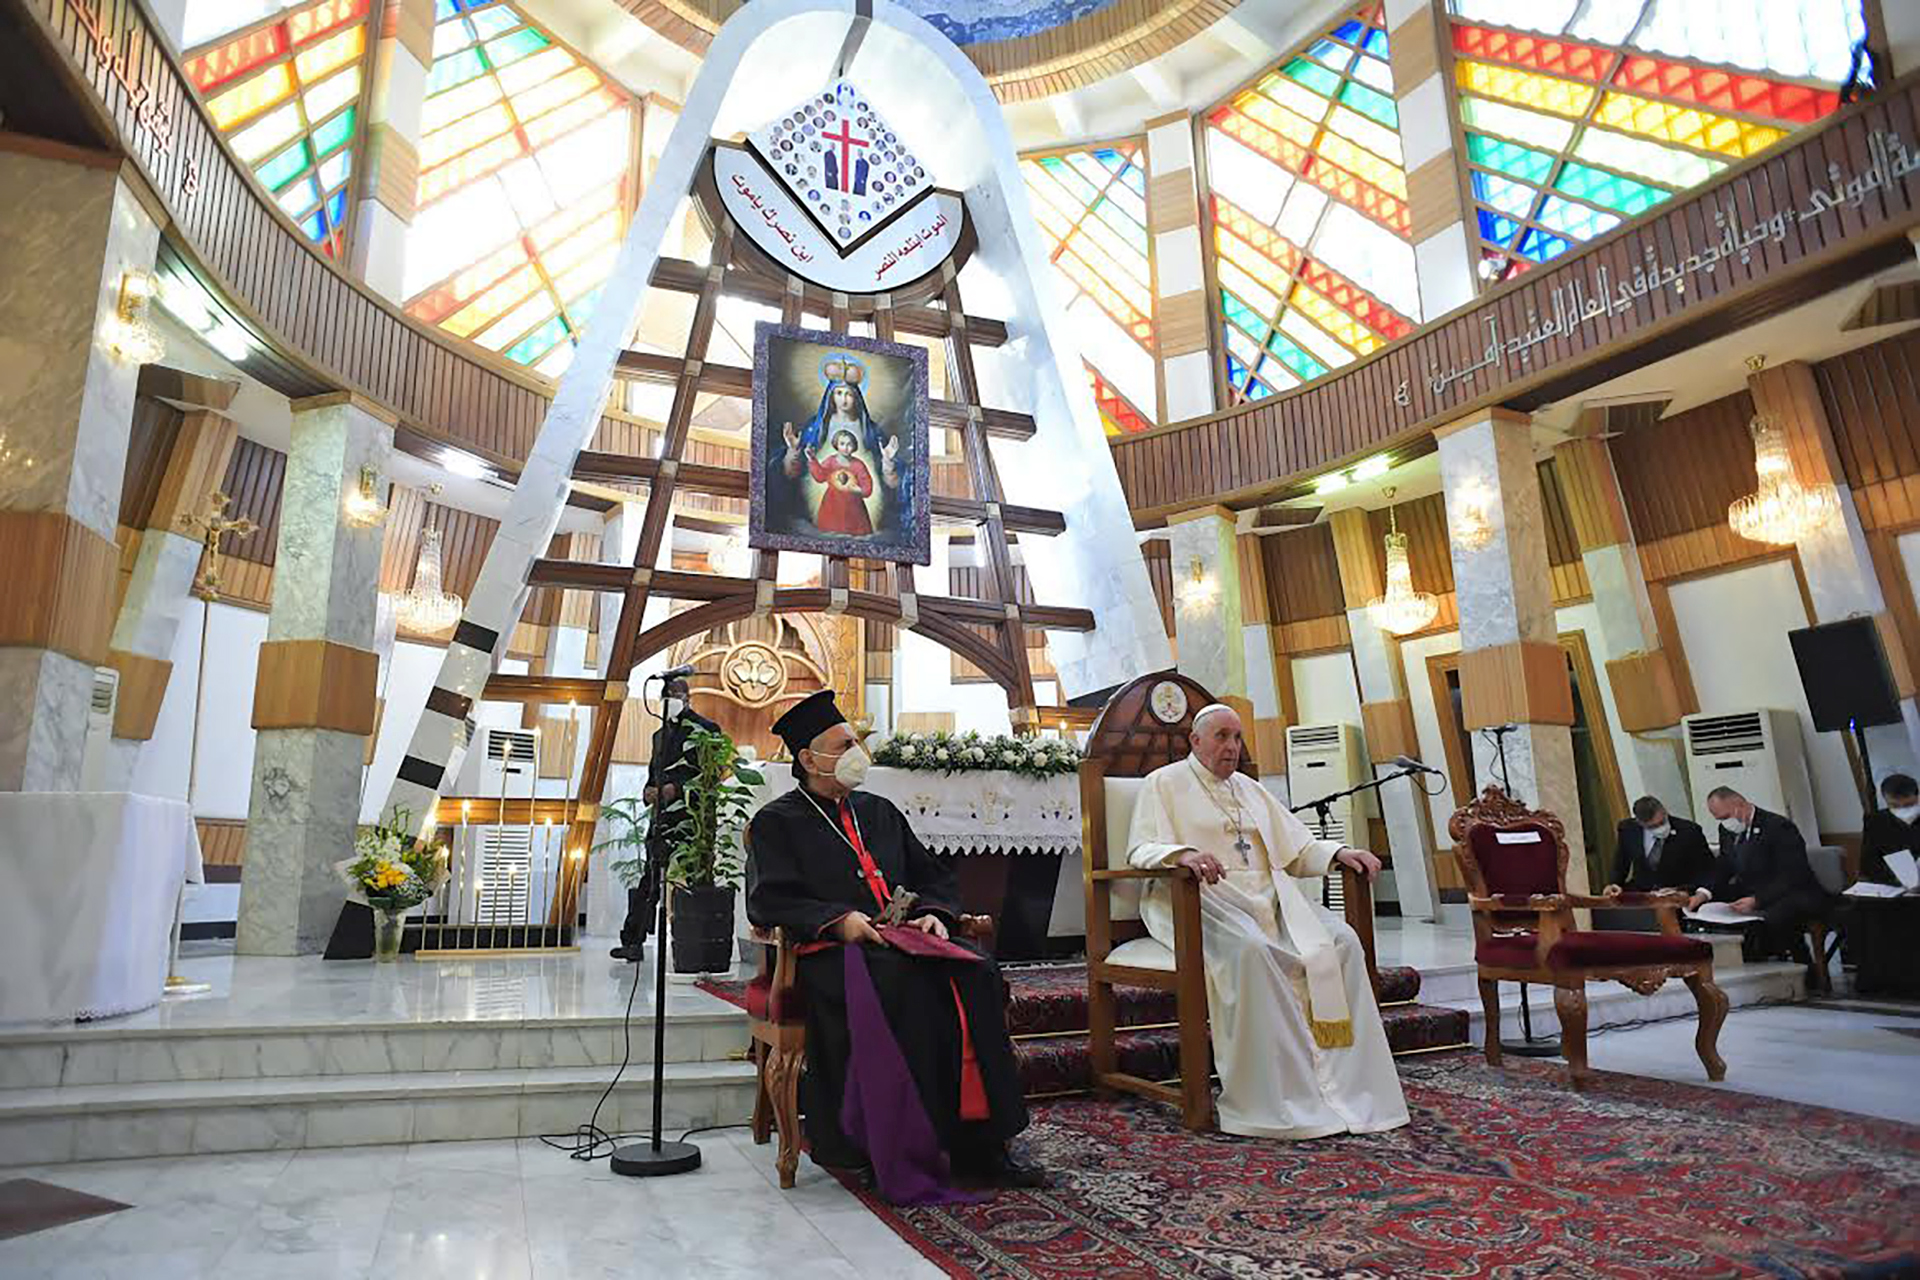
1014	840
86	924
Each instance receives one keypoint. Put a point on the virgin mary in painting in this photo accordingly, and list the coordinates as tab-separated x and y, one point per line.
839	450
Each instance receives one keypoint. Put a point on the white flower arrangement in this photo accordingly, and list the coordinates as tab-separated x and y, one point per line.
971	752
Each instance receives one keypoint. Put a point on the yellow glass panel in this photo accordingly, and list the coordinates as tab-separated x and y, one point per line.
1688	126
1251	260
1249	290
489	269
541	67
250	99
331	94
463	100
1545	93
568	220
1358	160
558	91
334	51
493	304
481	126
1286	123
465	168
267	133
1321	310
575	115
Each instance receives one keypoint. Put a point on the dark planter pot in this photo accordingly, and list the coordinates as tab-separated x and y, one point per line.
702	929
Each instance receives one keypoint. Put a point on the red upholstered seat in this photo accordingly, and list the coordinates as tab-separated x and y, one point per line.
789	1010
1590	949
1511	863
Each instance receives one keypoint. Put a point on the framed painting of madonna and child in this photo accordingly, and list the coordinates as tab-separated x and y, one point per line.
839	445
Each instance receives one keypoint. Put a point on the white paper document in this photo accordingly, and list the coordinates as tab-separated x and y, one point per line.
1720	913
1904	869
1870	889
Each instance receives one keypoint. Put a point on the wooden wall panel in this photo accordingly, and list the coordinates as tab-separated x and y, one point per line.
223	843
156	425
255	475
1158	553
1429	554
1303	574
1872	396
1710	447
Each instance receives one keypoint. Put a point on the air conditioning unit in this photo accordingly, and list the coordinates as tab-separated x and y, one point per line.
503	876
507	763
1323	759
100	709
1760	754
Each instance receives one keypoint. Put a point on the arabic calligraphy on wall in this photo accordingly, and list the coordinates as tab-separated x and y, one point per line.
118	54
907	247
1829	206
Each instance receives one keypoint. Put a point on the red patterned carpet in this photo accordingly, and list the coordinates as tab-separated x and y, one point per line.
1503	1173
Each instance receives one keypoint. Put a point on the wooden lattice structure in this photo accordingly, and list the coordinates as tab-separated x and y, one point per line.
990	632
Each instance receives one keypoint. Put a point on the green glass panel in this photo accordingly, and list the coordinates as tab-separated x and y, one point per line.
520	44
1510	158
1304	366
454	69
489	23
330	136
1242	314
285	167
1370	102
539	342
1314	76
1623	195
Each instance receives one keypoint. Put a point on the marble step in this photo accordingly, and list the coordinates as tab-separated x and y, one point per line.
114	1121
1610	1004
79	1056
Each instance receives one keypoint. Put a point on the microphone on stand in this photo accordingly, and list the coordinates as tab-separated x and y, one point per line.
674	673
1411	765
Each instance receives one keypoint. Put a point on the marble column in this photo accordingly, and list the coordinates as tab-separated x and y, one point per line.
1206	600
1444	232
1641	675
75	228
160	587
1179	278
385	187
1386	712
1838	561
1512	668
313	704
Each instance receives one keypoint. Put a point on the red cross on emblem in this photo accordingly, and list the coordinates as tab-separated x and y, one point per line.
847	142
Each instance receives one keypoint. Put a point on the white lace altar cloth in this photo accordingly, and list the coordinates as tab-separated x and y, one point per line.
989	812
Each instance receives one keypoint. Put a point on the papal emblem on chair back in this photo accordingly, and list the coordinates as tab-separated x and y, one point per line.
1508	849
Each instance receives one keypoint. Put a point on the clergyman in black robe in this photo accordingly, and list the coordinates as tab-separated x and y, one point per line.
668	771
806	875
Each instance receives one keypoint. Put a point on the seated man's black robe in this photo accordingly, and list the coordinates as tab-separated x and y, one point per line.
802	876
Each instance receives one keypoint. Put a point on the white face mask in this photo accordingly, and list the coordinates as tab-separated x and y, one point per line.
673	708
1661	832
1732	826
1905	812
850	770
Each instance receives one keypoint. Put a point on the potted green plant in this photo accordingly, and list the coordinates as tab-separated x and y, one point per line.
705	865
628	819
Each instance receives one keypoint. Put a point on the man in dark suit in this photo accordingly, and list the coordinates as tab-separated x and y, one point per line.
667	772
1891	829
1763	869
1659	851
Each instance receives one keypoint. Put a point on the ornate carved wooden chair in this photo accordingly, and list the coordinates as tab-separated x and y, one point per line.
1515	861
777	1023
1146	725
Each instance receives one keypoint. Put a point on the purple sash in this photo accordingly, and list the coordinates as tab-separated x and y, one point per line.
881	1112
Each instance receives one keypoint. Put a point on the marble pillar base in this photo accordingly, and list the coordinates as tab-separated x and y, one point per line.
43	735
302	819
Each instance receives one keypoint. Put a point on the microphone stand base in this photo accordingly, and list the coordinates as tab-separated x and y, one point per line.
1547	1048
640	1160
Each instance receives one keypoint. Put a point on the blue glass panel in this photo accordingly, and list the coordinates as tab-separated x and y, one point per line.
337	208
1257	390
315	226
1541	247
1236	372
1496	229
539	342
1503	194
1376	43
1349	31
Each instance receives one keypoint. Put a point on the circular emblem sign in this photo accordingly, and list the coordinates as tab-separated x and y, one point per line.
1168	701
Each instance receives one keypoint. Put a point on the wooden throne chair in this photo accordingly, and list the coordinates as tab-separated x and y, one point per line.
777	1025
1146	725
1515	862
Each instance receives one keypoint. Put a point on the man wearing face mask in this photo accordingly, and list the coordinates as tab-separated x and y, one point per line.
1659	851
1763	869
823	861
666	774
1891	829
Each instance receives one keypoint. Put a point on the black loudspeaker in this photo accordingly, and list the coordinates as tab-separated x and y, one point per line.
1843	668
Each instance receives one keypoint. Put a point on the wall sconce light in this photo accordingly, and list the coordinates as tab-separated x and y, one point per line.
362	506
1373	467
129	334
1472	510
1199	590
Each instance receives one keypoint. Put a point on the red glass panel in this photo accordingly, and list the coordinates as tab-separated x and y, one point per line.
324	17
1727	91
1356	302
237	57
1388	210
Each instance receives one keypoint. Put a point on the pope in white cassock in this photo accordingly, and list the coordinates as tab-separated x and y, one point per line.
1296	1030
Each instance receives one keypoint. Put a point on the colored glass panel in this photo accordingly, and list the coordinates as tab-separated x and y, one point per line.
282	93
1580	114
1310	220
523	194
1091	207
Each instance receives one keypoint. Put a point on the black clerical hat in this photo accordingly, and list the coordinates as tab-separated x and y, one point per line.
808	718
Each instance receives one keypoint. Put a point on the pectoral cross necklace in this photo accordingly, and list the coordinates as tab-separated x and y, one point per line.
1236	818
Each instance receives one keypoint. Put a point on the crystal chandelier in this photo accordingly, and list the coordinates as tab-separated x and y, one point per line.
1782	511
424	606
1402	610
